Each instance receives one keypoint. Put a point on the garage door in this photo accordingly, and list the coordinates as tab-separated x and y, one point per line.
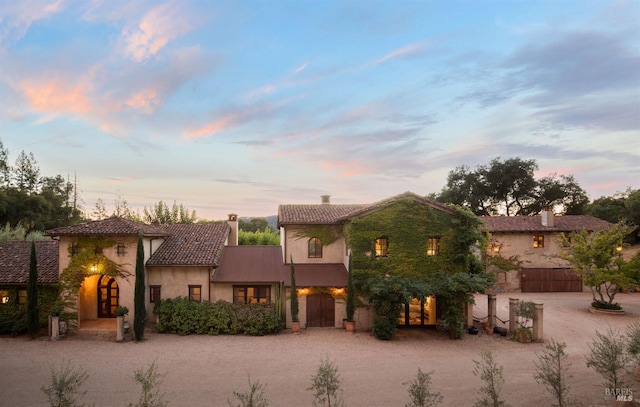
321	310
550	280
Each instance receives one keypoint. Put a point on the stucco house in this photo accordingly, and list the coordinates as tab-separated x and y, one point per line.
407	234
533	244
14	268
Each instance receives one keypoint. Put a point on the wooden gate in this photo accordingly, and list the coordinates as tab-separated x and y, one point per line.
550	280
321	310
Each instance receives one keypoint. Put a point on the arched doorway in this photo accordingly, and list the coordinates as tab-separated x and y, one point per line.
108	294
321	310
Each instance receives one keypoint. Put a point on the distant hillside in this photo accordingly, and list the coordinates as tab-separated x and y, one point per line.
272	220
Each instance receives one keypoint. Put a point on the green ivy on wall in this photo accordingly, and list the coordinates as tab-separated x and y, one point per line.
326	233
87	260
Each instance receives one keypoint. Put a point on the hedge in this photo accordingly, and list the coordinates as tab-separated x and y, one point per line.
184	317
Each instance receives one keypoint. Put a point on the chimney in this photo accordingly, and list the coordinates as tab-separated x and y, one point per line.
547	217
233	235
325	199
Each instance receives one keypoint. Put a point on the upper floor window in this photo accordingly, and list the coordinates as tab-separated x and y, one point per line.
4	297
121	249
75	249
315	248
433	246
538	241
382	246
195	293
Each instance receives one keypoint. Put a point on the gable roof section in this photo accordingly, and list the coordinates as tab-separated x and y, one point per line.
15	260
114	226
263	264
191	245
566	223
323	214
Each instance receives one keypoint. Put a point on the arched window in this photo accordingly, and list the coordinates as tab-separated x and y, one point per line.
382	246
315	248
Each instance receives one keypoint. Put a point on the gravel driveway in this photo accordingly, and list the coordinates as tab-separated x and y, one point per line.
205	370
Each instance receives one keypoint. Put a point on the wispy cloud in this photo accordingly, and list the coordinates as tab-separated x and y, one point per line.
155	29
16	17
408	51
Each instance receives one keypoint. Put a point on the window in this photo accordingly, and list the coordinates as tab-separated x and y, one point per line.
315	248
154	293
195	293
538	241
246	294
22	296
74	249
4	297
433	246
121	249
382	247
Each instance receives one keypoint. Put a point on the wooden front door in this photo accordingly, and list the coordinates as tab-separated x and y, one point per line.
550	280
108	295
321	310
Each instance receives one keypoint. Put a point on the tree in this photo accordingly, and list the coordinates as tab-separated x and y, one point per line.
140	311
5	169
32	293
253	398
160	214
508	187
150	380
327	385
491	374
294	294
608	357
597	258
100	210
254	225
64	389
551	371
420	393
26	173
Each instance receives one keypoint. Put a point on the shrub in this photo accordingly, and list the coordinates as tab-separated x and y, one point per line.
491	374
253	398
419	392
327	385
551	371
184	317
605	305
65	386
609	357
150	380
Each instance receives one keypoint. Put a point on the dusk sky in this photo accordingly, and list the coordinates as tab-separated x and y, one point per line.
238	106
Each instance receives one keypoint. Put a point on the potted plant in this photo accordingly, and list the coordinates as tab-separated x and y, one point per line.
454	319
295	322
120	313
525	311
350	324
54	320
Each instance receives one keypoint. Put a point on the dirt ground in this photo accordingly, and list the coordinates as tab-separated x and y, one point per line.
205	370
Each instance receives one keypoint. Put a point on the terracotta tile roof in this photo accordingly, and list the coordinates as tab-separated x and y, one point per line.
566	223
337	213
263	264
15	259
191	245
114	226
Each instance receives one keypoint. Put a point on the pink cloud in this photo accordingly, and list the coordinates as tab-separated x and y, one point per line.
211	128
157	27
406	51
145	100
54	96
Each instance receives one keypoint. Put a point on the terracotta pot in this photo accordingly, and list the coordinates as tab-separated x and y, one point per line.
350	326
295	328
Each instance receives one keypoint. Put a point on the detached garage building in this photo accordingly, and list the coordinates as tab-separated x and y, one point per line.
533	243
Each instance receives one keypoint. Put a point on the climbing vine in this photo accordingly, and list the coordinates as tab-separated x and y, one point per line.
326	233
87	259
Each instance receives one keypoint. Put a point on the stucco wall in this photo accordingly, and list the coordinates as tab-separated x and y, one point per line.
175	281
521	245
297	245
